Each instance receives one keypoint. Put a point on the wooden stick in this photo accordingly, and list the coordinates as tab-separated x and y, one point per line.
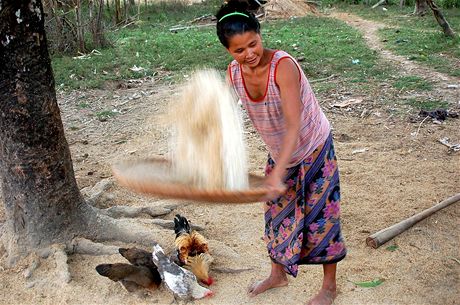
378	3
321	79
179	28
377	239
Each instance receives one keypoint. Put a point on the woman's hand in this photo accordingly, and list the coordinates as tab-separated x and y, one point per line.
275	186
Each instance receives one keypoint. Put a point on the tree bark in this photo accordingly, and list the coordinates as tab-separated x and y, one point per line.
97	30
125	11
421	8
43	204
80	27
440	19
117	12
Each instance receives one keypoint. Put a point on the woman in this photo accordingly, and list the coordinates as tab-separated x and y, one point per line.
302	224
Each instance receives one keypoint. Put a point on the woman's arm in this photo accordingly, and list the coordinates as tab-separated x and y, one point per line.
288	80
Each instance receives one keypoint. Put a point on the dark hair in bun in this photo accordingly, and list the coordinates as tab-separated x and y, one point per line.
234	18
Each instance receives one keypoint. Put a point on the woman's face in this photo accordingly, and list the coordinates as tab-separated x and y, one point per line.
246	48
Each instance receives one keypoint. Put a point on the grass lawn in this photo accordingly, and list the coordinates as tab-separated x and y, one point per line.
323	46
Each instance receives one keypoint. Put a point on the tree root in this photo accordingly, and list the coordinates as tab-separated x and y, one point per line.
85	246
94	194
126	230
32	267
61	275
62	268
132	212
168	224
91	227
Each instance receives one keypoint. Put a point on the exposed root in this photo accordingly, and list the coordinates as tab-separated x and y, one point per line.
94	194
32	267
62	268
126	230
85	246
9	243
167	224
131	212
61	275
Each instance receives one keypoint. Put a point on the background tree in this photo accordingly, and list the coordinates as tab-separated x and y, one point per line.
68	21
44	209
421	8
441	19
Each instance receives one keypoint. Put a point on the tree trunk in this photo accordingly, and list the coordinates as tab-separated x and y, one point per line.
97	30
125	11
80	28
117	12
440	19
42	200
421	8
43	204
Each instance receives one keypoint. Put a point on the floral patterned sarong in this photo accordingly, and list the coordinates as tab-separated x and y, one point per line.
303	225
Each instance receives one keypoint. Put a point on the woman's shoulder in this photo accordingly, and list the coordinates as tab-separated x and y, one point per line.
233	65
280	54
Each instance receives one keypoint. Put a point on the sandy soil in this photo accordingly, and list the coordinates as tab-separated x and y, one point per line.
403	170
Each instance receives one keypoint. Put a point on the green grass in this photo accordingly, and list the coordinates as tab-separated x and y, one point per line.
426	104
327	46
105	115
412	83
429	48
417	38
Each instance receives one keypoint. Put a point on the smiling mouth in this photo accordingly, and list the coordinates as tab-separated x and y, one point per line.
252	61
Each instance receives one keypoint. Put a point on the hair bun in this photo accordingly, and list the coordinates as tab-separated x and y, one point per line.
237	5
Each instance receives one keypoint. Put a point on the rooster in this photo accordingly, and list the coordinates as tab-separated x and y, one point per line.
192	250
181	282
133	278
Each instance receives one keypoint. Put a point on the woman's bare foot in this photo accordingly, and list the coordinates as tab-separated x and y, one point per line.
268	283
324	297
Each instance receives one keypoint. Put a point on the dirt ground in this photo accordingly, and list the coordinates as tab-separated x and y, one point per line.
402	169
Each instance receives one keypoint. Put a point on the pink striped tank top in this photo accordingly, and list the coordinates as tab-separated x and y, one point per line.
267	117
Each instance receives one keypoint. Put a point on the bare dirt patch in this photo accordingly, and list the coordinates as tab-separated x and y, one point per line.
396	176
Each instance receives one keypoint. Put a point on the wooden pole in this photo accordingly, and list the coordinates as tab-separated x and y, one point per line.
377	239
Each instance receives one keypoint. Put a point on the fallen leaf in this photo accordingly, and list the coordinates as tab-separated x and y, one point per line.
369	284
358	151
392	248
352	101
136	69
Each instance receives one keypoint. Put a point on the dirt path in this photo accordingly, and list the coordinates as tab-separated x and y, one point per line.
370	28
395	176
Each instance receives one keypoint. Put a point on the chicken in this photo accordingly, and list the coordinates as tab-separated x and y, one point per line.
131	277
199	265
187	242
138	257
181	282
189	246
181	225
